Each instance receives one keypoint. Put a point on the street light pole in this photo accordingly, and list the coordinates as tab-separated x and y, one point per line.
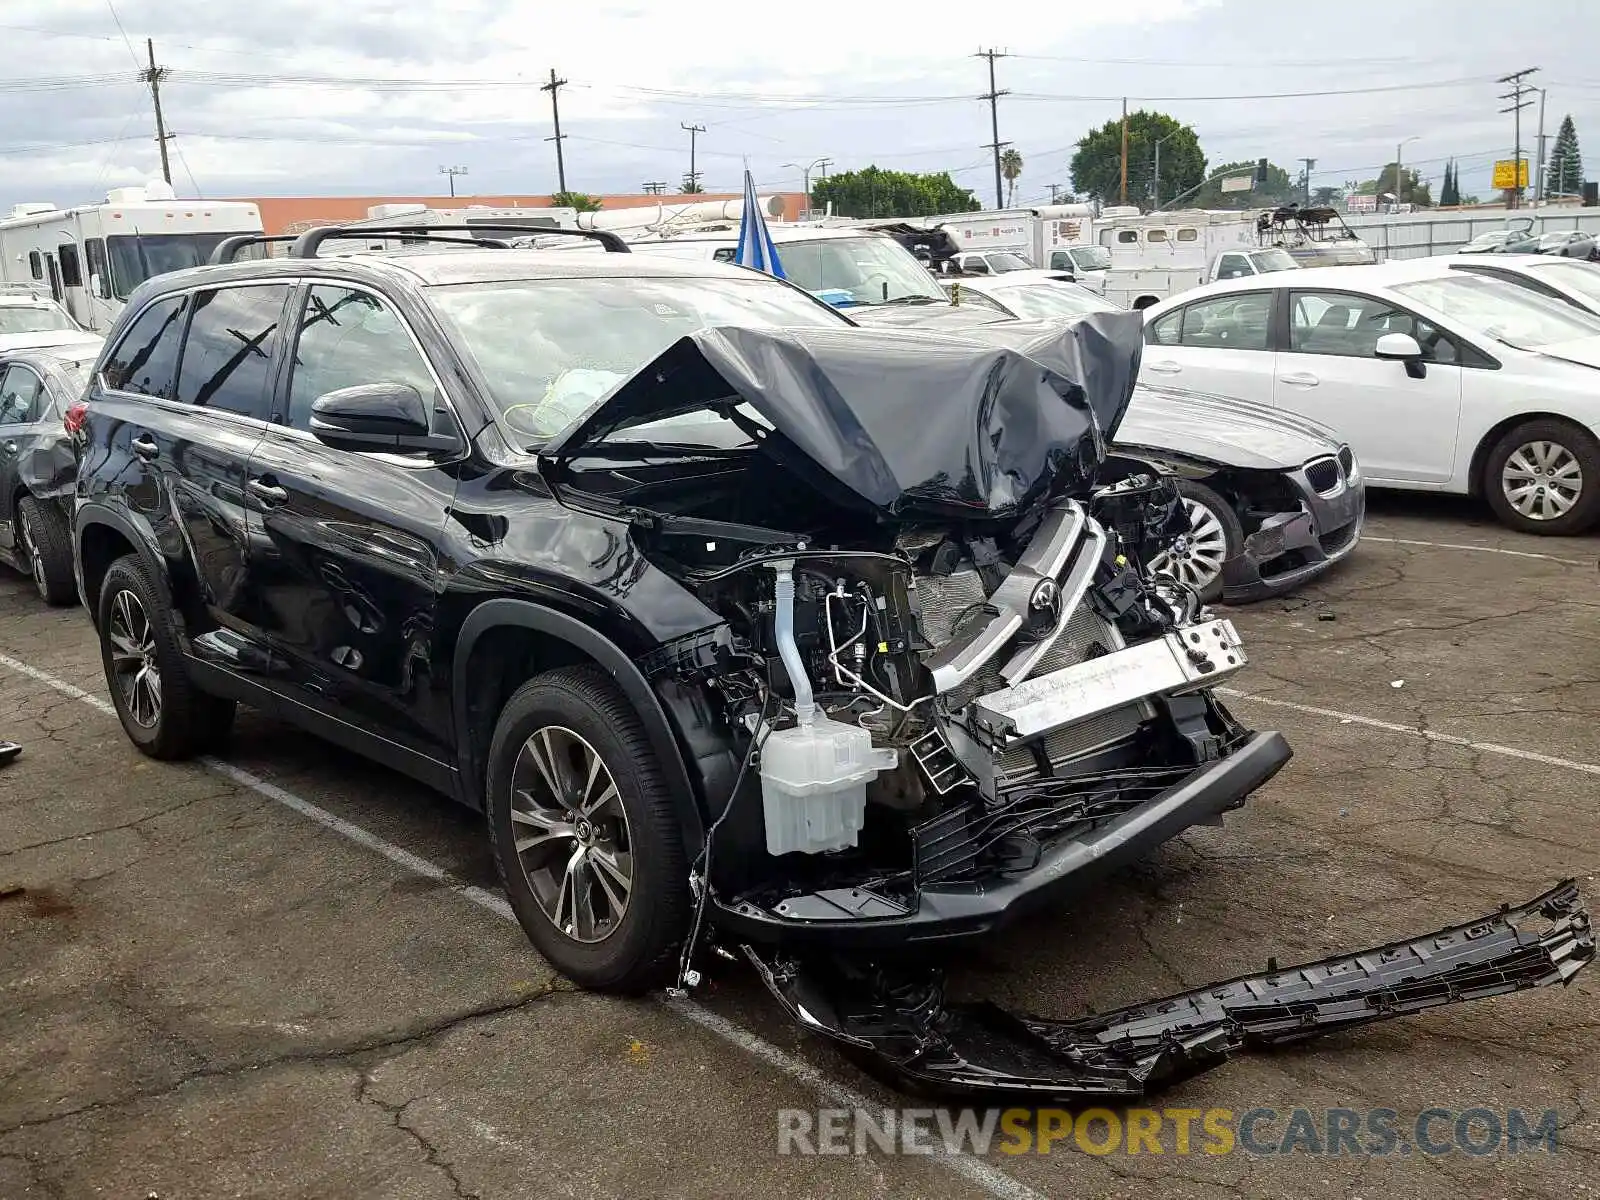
452	172
1399	169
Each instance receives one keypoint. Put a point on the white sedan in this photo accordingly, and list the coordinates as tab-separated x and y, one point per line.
1440	379
1569	279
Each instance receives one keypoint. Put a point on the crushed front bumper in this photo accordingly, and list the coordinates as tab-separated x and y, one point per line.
901	1029
865	918
1291	548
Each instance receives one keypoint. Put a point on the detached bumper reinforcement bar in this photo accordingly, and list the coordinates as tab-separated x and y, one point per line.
900	1028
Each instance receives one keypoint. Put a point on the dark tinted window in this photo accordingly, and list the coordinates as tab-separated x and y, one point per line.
35	267
71	275
147	355
349	338
233	334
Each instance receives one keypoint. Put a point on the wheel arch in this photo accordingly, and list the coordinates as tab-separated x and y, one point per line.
1144	302
1480	453
100	536
501	643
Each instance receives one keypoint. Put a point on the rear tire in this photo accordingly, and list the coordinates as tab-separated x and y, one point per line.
46	541
161	710
1543	477
595	872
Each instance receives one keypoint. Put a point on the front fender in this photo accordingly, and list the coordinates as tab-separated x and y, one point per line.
493	614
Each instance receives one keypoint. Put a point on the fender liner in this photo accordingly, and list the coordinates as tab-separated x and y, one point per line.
492	614
143	545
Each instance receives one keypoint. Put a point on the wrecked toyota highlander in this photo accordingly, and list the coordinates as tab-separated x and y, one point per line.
743	625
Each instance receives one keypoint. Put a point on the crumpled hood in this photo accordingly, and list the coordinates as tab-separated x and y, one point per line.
925	316
1228	432
916	425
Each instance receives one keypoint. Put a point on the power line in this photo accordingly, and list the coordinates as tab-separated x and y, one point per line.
554	86
993	97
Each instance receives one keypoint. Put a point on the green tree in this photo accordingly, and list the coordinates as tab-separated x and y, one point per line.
1010	169
1327	197
578	200
1097	165
1450	189
871	192
1412	189
691	187
1279	188
1564	174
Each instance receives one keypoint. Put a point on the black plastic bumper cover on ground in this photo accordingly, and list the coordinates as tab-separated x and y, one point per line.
900	1028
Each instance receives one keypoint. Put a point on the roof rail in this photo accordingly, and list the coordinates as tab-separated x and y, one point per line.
229	247
309	242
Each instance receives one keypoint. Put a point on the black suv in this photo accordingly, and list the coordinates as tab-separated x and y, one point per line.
647	558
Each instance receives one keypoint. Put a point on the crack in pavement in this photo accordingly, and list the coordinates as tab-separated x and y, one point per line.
134	824
432	1154
330	1054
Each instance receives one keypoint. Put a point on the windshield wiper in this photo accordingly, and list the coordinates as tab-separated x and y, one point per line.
912	299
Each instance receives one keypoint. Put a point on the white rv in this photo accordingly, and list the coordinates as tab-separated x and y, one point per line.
90	258
422	217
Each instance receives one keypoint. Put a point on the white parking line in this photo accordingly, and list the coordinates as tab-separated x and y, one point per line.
975	1171
1570	562
1432	735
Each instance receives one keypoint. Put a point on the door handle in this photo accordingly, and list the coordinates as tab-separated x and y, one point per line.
1164	368
1300	379
11	447
145	447
268	493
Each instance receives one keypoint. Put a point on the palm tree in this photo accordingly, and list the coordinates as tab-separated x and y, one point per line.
1010	167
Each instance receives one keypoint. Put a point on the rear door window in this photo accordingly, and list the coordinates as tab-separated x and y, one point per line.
146	357
22	397
228	354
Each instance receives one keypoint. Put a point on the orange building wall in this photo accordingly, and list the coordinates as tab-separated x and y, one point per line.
294	214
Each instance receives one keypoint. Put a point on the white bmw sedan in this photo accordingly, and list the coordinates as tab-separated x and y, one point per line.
1440	379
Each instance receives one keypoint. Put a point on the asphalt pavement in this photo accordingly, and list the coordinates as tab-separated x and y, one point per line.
287	972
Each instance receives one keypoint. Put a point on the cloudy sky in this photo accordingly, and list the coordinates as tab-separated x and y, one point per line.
359	97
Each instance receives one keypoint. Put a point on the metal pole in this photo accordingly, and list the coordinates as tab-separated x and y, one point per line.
1124	150
694	130
1538	180
1155	181
993	97
1399	176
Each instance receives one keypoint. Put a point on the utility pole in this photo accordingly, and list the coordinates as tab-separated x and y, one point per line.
693	130
153	77
452	172
1124	150
554	86
1309	162
993	97
1538	178
655	187
1518	90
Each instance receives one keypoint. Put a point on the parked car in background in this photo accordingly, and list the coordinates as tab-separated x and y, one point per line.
988	262
1493	241
1440	379
37	460
1028	295
1576	283
25	314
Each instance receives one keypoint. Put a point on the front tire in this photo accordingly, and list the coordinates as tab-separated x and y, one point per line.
161	710
584	832
1543	477
1215	536
46	543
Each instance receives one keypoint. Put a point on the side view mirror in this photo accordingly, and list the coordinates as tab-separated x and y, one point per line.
1398	347
376	416
1402	347
97	285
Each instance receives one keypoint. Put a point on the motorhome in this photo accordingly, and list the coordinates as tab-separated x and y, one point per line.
424	217
91	257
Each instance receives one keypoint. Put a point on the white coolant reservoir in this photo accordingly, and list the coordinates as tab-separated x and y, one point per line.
814	785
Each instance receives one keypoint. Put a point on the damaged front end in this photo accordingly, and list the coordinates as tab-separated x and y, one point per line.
952	685
899	1026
